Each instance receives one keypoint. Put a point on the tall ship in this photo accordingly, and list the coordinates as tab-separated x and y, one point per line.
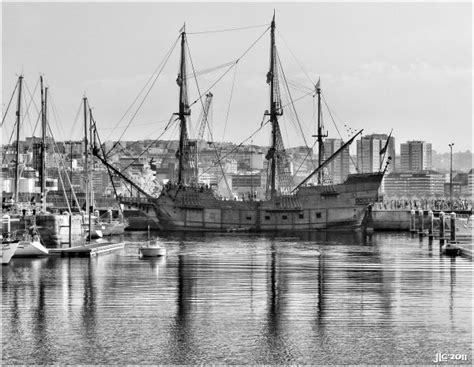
184	205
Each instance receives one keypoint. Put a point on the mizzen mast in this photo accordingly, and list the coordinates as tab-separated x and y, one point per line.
320	134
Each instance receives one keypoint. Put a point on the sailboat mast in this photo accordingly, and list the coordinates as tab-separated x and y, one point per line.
86	153
91	181
43	140
17	161
320	134
183	107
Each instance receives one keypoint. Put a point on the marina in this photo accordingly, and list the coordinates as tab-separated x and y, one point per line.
318	298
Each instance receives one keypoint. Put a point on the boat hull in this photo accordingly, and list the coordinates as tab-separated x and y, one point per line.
340	206
152	251
8	250
30	249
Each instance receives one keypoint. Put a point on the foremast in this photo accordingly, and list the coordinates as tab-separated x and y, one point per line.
275	111
184	111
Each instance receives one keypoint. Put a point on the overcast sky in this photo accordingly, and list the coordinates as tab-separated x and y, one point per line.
406	66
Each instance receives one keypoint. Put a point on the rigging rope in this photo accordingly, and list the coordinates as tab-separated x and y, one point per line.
55	114
228	107
292	104
11	98
32	101
59	174
230	67
146	149
161	67
292	54
210	132
334	122
229	29
239	145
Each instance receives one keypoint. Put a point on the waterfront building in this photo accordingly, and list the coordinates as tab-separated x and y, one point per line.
422	184
460	185
415	155
339	168
370	153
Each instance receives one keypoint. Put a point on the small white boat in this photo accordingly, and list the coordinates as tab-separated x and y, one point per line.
152	249
8	250
30	248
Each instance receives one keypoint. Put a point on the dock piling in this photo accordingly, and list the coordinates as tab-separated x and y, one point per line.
441	228
421	231
430	225
453	227
412	221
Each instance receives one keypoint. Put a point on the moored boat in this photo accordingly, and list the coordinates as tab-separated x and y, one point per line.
152	249
9	247
30	248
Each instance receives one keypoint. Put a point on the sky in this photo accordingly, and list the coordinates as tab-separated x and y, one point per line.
383	66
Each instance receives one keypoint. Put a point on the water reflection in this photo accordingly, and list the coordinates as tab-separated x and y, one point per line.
313	298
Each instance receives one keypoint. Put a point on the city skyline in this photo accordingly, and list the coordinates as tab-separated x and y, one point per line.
392	76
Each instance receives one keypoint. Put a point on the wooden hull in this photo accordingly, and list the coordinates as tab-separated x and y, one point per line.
311	208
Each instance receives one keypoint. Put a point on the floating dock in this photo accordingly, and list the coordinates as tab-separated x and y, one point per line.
87	250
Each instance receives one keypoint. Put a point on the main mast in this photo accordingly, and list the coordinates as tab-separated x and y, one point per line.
17	162
183	107
275	107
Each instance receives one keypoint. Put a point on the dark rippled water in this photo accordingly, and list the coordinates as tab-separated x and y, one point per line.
321	298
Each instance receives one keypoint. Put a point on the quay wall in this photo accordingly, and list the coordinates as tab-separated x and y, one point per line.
391	220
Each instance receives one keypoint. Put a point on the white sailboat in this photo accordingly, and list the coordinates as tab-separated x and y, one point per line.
30	246
8	249
152	248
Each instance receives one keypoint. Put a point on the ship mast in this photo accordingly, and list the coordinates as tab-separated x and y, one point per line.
86	153
17	162
43	143
275	109
320	134
183	107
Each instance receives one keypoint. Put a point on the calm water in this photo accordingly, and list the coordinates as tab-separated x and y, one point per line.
240	299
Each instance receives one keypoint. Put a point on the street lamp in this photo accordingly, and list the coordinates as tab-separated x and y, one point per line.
451	173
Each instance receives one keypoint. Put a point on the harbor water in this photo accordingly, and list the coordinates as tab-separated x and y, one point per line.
238	298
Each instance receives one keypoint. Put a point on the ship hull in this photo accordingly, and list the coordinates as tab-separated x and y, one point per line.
340	206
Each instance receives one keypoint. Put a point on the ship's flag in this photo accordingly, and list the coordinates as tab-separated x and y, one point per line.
384	149
318	84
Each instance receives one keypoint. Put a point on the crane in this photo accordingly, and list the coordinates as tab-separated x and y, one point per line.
204	116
